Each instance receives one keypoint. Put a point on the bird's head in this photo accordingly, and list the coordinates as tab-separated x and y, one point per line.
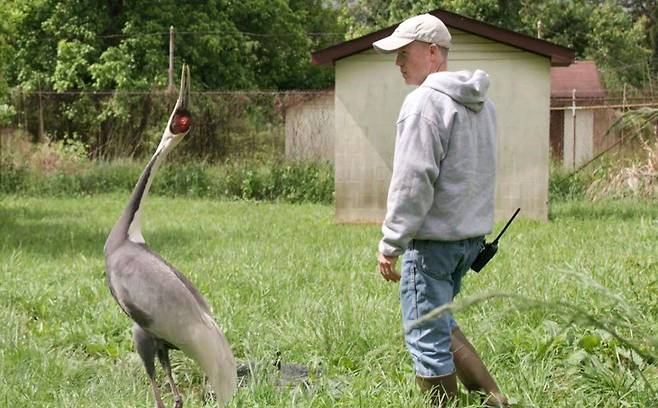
180	120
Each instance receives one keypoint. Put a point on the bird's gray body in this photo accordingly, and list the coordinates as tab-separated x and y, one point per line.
154	293
168	311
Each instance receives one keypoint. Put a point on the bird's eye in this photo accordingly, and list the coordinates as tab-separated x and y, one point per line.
181	122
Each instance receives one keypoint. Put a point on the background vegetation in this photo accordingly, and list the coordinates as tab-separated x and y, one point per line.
75	45
97	71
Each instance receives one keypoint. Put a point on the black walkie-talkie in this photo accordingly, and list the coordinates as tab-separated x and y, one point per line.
490	248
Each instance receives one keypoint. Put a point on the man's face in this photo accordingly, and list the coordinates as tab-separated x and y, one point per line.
415	62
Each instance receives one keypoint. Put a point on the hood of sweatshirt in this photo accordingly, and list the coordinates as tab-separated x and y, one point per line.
466	87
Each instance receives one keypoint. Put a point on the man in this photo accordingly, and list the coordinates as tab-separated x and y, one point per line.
440	202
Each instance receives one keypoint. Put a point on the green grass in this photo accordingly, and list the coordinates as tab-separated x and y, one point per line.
284	277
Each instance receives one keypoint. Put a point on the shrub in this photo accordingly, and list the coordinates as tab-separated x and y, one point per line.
186	179
12	175
639	179
565	185
272	180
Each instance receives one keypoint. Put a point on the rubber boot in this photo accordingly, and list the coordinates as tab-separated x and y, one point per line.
441	390
473	373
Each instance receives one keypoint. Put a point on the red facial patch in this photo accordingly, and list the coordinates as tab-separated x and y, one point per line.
181	123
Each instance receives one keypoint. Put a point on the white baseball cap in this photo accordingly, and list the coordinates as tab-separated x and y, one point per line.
424	27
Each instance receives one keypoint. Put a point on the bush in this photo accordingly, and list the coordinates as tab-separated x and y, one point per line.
564	185
269	180
612	177
12	175
637	179
186	179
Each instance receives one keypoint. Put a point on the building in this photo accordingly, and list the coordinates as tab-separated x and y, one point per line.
310	126
369	91
579	117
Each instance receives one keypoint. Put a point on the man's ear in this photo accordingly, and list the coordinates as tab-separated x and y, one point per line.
435	53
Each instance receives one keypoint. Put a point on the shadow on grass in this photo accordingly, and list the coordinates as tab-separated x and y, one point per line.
586	210
50	232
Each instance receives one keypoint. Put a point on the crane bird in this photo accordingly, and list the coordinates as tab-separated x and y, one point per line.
167	310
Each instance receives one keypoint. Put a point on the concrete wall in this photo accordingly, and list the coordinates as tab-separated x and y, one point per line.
310	129
603	119
582	136
370	90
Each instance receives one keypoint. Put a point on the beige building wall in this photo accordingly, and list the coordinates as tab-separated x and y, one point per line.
310	129
582	135
370	91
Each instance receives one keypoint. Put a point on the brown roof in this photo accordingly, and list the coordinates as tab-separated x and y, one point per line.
581	76
560	56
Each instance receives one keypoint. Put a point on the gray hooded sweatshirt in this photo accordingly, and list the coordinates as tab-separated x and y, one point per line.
442	186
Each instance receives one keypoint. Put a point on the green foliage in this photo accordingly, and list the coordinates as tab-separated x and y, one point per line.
7	52
290	182
604	31
127	125
250	180
78	45
564	184
262	44
12	176
72	65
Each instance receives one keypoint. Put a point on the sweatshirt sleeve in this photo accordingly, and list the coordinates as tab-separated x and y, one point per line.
418	154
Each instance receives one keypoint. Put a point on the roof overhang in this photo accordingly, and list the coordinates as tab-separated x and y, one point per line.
560	56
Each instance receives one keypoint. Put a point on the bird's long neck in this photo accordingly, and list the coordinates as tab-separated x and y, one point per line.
128	226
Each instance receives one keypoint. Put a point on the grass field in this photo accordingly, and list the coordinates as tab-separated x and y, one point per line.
285	278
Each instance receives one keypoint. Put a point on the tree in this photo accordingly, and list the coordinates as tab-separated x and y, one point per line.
7	31
599	30
115	45
648	10
254	44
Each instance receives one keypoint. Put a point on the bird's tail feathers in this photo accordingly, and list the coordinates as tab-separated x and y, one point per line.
213	353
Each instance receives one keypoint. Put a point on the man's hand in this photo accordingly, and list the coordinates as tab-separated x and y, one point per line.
386	266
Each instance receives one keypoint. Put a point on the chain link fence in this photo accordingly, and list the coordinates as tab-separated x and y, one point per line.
581	129
227	125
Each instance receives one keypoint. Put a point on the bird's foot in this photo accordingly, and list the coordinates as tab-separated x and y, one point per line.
178	402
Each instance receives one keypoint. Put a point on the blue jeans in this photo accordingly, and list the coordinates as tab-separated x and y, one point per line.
431	277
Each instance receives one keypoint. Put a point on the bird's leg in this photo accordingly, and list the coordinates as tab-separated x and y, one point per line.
163	356
146	347
156	392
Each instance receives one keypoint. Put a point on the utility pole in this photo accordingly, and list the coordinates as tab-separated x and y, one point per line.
170	81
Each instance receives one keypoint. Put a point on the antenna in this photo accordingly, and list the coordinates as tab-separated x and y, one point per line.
506	225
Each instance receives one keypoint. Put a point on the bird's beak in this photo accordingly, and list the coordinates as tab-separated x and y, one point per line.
184	94
181	118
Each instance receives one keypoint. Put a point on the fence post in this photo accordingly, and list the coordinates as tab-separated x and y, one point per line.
24	108
623	134
573	124
170	81
42	138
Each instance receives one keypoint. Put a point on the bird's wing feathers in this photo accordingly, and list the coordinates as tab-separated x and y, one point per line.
154	294
193	291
